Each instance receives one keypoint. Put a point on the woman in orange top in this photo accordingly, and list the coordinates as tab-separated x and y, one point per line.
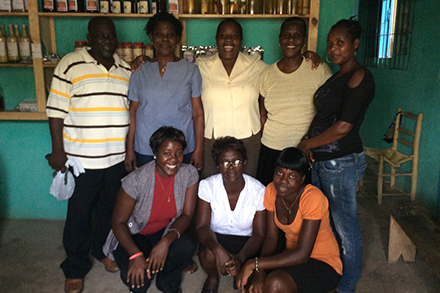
310	262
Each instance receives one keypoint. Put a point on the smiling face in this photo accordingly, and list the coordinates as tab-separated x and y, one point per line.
292	39
164	39
287	182
228	41
102	38
169	157
341	48
233	172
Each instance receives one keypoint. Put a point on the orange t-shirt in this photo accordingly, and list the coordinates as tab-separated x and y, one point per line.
313	205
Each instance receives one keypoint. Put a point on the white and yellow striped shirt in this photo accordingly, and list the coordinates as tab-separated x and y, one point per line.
93	103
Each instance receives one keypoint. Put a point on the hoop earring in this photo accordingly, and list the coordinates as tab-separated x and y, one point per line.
328	59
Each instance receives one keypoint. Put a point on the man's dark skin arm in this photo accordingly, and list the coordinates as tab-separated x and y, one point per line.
57	159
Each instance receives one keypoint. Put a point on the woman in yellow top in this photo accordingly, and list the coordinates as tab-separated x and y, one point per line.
310	262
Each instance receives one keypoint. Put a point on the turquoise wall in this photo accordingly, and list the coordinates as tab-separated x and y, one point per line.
25	176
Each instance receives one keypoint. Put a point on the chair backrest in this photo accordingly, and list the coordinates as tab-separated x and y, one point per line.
407	125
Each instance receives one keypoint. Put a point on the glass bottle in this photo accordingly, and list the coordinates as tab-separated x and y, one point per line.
6	6
243	7
144	7
116	6
306	7
16	31
192	7
76	6
12	44
3	46
205	7
128	6
233	8
18	5
299	6
49	6
24	45
92	6
158	6
254	7
62	6
138	49
104	6
223	6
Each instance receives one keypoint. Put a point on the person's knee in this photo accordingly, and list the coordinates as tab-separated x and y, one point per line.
207	257
280	281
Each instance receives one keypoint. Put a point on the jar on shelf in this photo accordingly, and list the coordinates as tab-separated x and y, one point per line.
79	45
119	51
138	49
189	53
149	51
127	50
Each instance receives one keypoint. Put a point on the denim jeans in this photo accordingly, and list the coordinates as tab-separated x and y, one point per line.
338	179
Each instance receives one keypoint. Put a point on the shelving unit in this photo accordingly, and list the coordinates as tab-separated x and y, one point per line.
43	31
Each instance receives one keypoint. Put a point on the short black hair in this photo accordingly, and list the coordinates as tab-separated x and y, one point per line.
166	133
228	143
294	159
297	20
353	27
95	21
164	16
232	21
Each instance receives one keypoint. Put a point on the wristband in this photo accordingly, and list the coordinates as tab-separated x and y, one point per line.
175	230
135	255
256	265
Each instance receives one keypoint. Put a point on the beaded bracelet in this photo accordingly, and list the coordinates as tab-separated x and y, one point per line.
175	230
135	255
256	265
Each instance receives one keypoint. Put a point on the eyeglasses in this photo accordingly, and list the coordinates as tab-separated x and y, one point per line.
236	163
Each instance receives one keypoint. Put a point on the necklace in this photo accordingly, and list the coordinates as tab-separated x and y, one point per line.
161	185
290	209
163	69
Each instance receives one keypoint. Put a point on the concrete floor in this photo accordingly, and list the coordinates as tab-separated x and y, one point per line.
31	251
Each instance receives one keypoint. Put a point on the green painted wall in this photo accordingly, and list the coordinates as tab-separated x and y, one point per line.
25	176
416	90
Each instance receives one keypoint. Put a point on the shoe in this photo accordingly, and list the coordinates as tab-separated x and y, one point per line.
191	267
74	285
110	265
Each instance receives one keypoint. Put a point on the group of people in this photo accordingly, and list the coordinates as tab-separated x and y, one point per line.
277	148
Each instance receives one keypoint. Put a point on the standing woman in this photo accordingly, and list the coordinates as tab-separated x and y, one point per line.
286	92
165	91
230	96
334	146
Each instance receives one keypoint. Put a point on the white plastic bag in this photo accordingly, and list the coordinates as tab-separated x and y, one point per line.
63	185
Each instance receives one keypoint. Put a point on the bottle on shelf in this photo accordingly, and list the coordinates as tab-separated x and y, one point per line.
254	7
305	6
92	6
16	31
173	6
204	7
3	46
119	51
144	7
233	8
116	6
62	6
127	51
104	6
299	6
191	7
12	45
76	6
18	5
128	6
6	5
24	45
279	7
243	7
149	51
158	6
291	7
223	6
138	49
49	6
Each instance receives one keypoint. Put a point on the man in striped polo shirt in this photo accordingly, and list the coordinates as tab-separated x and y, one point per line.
88	120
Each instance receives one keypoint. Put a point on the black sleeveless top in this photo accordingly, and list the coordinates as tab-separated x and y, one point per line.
335	101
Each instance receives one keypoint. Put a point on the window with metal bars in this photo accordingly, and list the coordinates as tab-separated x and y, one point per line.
388	32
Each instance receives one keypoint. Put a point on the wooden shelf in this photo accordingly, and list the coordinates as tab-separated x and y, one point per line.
13	13
16	65
82	14
15	115
241	16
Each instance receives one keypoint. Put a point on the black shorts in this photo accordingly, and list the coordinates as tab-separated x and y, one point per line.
231	243
314	276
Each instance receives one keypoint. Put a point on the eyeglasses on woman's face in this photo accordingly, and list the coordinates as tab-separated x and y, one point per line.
235	163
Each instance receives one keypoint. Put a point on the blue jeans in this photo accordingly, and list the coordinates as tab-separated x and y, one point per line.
338	179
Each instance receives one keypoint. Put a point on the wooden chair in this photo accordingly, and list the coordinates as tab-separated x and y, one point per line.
406	140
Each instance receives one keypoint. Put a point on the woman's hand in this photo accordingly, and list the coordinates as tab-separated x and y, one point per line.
257	283
222	257
130	161
136	271
303	146
197	159
244	274
233	266
157	258
316	60
136	63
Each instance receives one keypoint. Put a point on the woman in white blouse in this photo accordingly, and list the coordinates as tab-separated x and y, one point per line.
231	218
